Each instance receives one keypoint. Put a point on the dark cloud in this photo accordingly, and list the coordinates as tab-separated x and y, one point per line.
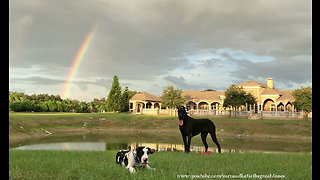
184	84
37	80
285	71
212	62
83	85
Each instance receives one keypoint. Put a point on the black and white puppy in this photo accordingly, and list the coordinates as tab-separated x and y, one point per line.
135	158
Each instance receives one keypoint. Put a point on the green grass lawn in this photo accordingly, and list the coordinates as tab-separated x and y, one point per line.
31	123
101	165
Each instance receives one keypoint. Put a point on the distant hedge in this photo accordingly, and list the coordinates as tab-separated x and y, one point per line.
20	102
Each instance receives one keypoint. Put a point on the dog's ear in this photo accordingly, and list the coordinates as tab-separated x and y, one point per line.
181	108
151	151
134	152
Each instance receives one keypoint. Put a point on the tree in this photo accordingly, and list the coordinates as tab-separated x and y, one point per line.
13	97
113	101
303	99
124	100
171	97
209	90
236	96
60	106
16	106
43	107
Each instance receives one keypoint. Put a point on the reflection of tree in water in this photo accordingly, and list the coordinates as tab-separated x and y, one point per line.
116	146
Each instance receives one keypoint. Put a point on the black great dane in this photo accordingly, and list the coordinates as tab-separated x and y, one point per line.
190	127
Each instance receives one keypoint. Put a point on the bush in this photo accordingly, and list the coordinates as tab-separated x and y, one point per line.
16	106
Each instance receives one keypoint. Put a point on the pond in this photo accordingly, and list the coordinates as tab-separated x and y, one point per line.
163	142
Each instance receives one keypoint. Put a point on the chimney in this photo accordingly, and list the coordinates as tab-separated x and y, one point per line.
270	83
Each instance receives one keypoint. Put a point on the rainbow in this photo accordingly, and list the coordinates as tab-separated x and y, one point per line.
77	61
65	146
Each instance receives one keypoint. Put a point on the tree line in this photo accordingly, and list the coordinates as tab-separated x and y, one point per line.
117	101
21	102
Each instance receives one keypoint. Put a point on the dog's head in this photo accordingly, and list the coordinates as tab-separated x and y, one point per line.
182	113
142	154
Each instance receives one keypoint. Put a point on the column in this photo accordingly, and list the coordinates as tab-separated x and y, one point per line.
134	104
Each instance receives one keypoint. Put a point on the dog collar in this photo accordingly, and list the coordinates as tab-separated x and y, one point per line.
136	159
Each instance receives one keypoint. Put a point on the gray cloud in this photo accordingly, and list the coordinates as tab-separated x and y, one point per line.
212	62
83	85
184	84
285	71
37	80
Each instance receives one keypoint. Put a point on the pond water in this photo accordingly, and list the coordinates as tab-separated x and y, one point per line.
163	142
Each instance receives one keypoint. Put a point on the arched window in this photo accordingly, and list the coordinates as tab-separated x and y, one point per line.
156	105
203	106
215	106
280	107
149	105
269	105
191	105
289	107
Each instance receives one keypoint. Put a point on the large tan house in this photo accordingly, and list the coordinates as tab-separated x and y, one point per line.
268	99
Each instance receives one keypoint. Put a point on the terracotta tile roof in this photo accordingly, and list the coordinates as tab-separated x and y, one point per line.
144	96
270	91
202	95
286	95
252	83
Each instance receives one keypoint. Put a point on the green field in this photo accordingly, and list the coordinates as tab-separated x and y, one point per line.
168	165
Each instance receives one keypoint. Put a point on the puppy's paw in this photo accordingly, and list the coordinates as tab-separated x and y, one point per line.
132	170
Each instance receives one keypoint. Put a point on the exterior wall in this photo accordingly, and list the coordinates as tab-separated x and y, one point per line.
144	107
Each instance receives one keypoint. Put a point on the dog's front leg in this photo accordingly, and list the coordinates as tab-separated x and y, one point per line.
131	162
131	169
148	167
184	137
189	143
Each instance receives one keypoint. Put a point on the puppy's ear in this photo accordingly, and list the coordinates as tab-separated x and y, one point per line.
134	152
151	151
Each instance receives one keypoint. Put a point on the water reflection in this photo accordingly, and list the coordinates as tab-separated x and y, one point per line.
161	142
102	146
78	146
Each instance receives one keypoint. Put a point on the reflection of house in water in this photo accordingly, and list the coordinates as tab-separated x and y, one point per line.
170	147
180	147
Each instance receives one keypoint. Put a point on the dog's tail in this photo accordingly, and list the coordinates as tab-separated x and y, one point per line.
214	138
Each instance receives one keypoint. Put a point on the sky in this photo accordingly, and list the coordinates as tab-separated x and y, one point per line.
193	45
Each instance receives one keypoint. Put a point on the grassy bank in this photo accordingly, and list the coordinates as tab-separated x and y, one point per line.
23	126
101	165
